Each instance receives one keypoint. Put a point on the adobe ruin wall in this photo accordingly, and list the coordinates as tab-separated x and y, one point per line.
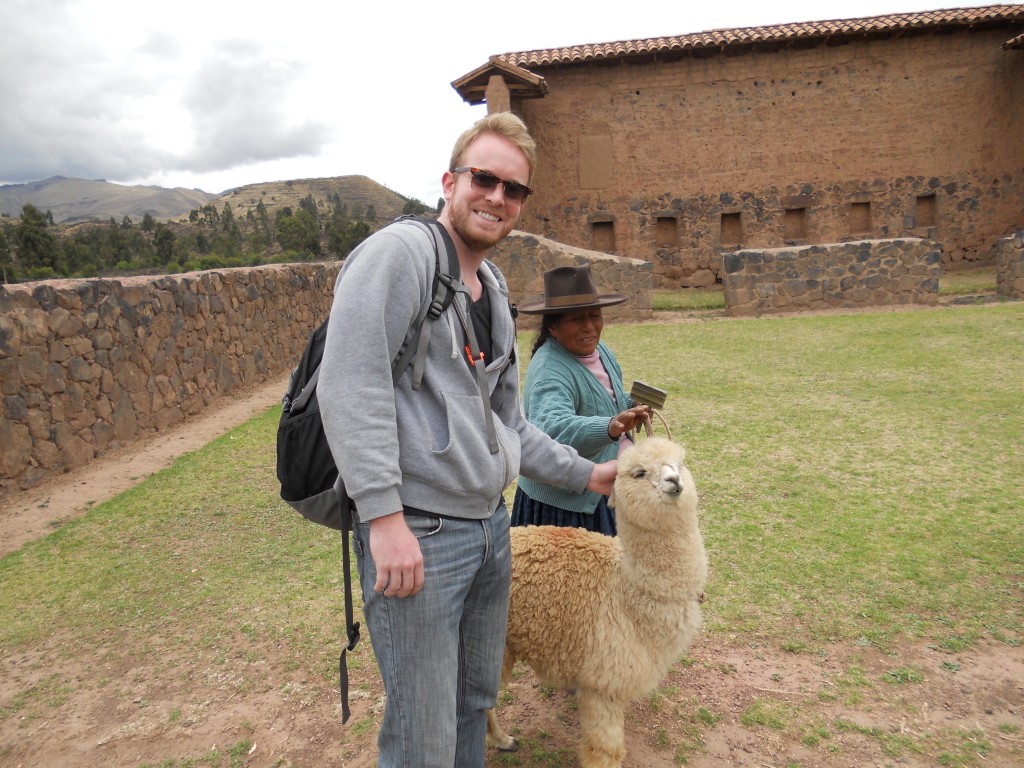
680	161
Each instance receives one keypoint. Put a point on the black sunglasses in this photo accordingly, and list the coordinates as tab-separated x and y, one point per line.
485	181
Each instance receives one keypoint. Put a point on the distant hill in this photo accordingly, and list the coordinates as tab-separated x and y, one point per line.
74	200
357	193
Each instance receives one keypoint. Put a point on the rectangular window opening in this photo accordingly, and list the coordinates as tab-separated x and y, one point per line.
860	218
666	232
731	230
602	236
925	211
794	225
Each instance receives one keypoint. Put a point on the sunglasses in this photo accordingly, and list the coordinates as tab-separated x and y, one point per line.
485	181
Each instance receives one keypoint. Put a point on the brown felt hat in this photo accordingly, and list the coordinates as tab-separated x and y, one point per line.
569	288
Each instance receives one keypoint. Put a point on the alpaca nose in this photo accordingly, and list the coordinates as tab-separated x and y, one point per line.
671	483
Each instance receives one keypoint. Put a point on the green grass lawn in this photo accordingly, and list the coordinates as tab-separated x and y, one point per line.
847	463
860	481
844	463
968	281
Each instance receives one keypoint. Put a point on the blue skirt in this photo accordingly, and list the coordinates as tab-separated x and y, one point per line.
526	511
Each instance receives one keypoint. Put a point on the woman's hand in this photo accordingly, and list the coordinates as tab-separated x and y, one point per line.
628	420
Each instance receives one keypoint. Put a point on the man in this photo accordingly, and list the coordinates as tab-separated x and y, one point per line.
425	468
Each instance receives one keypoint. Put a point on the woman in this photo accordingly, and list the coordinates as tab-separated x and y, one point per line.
574	393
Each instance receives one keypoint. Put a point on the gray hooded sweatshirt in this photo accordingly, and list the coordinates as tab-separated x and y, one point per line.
427	449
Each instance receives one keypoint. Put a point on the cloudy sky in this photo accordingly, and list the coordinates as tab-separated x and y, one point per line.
213	94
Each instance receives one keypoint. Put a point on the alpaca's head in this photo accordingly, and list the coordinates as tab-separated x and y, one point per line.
653	488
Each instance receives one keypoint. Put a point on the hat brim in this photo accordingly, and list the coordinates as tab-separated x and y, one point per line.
541	308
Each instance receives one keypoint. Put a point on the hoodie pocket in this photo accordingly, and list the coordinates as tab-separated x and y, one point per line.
466	463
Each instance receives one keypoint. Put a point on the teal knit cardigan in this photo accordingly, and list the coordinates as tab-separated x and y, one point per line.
565	400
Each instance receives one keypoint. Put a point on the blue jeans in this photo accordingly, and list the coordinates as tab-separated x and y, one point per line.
439	651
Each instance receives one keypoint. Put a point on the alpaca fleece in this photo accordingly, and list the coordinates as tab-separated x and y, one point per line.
607	617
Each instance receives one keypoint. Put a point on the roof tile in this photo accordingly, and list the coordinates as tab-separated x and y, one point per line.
950	17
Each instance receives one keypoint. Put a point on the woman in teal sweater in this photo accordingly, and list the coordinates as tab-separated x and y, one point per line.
574	392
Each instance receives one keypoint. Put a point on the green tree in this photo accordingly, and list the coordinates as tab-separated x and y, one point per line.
210	217
163	240
335	231
79	259
298	232
414	206
227	218
309	204
36	246
7	270
344	235
148	223
262	235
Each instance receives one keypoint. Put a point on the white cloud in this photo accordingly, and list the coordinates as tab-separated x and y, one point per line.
239	107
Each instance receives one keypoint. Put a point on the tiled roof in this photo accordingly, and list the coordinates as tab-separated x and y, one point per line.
1015	42
780	33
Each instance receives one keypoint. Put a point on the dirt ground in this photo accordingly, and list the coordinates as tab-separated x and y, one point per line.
834	709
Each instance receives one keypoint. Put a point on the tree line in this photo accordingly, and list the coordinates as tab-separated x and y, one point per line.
33	248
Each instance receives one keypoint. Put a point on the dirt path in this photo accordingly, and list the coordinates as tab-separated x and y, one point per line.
28	515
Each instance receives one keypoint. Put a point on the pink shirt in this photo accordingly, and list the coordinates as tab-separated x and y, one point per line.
592	363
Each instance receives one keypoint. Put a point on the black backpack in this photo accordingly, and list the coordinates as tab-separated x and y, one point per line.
305	466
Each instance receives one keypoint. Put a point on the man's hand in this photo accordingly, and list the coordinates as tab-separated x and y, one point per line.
628	420
602	478
397	556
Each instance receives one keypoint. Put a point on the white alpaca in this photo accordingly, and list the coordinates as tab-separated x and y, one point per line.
607	617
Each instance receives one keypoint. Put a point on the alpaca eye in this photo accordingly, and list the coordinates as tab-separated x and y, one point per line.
638	473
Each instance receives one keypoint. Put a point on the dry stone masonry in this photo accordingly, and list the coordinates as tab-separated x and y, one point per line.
1010	266
90	365
858	274
524	258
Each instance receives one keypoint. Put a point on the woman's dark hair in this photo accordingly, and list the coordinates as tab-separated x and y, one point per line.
547	322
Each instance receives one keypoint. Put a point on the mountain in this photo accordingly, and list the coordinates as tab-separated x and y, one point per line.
74	200
357	193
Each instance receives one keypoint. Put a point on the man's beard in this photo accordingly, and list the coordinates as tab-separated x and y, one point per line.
461	223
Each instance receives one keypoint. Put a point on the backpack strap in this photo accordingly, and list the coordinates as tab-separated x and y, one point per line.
351	626
444	284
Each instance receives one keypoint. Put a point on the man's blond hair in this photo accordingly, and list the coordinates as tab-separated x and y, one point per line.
503	124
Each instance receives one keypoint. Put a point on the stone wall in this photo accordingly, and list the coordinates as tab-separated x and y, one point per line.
1010	266
679	161
87	366
840	275
90	365
523	259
